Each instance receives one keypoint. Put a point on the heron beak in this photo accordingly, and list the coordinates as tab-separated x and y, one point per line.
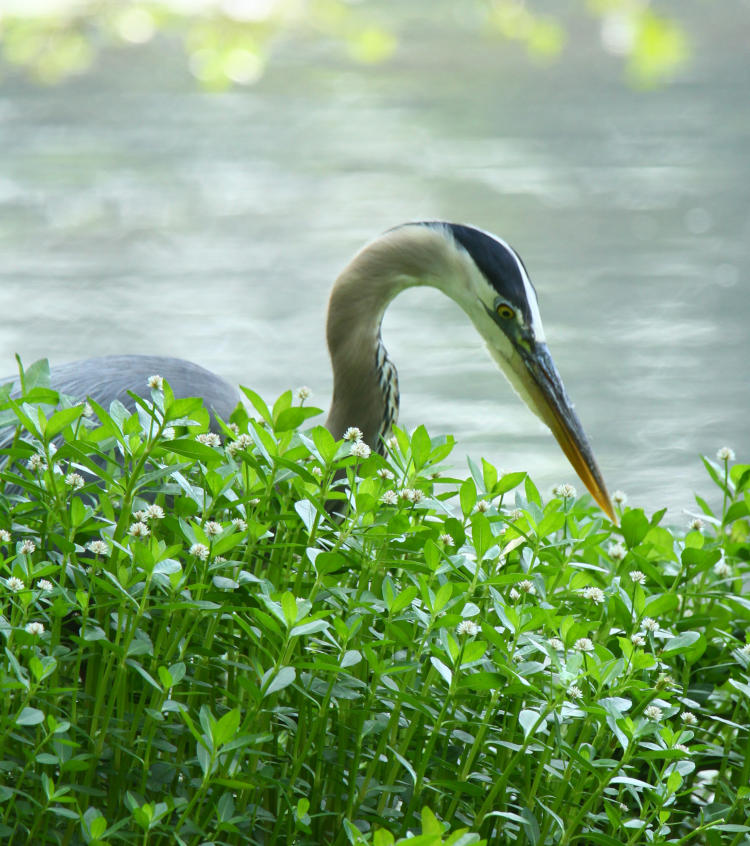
545	392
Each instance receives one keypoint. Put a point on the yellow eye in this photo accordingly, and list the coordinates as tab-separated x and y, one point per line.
505	311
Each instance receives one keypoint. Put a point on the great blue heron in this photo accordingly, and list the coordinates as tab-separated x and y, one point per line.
482	273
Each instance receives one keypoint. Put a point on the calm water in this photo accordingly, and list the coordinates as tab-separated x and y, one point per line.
138	214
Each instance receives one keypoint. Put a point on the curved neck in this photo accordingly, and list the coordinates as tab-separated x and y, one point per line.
365	384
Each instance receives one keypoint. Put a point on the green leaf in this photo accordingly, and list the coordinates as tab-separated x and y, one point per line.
532	494
60	419
634	526
29	717
468	496
226	728
289	607
282	679
508	482
192	449
421	446
292	418
258	404
528	718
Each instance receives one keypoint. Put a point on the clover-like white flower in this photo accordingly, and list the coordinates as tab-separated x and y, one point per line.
353	434
36	462
696	525
139	530
98	547
527	586
389	498
209	439
200	550
303	393
4	536
27	547
637	639
483	506
156	382
74	480
575	692
689	718
514	595
556	643
619	497
45	585
35	628
564	491
241	442
467	628
359	449
154	512
653	712
15	584
617	551
212	528
650	624
412	495
239	524
168	433
386	474
446	539
595	594
722	569
317	472
584	644
638	577
725	453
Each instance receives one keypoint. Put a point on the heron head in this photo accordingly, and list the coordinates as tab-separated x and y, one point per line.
494	289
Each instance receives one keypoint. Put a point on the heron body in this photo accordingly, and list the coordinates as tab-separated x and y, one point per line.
482	273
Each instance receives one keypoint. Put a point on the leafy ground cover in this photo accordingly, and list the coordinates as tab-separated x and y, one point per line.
196	650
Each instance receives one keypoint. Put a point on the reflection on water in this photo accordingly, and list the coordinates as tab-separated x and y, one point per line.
137	214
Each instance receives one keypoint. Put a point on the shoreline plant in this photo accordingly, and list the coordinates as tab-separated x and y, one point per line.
197	650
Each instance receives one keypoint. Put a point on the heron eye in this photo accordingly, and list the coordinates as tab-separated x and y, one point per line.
505	311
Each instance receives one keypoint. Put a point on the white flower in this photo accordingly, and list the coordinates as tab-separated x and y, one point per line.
722	569
88	411
303	393
746	649
564	491
360	450
209	439
317	472
595	594
575	692
725	454
98	547
682	747
4	536
154	512
584	644
239	524
689	718
389	498
637	639
638	577
241	442
514	595
650	624
653	713
696	524
199	550
140	515
353	434
392	443
27	547
36	462
467	627
617	551
139	530
15	584
526	586
212	528
156	382
556	643
45	585
483	506
412	495
386	474
74	480
619	497
169	433
446	539
35	628
515	515
233	428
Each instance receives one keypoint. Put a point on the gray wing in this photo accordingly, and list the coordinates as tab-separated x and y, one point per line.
110	378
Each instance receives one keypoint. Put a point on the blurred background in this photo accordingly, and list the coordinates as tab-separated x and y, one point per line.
187	177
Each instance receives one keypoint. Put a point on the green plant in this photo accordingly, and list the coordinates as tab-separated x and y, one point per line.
196	651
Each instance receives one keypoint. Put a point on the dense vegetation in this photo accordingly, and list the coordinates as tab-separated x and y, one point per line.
195	651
